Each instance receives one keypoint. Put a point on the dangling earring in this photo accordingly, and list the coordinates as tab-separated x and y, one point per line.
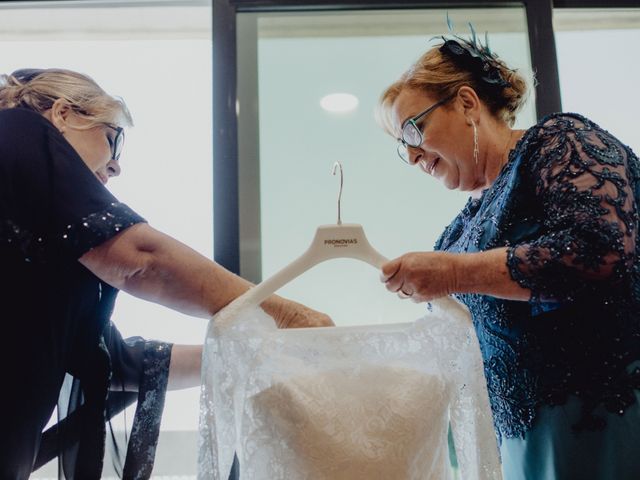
475	142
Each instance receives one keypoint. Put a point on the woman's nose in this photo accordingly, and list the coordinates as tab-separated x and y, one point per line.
415	154
113	168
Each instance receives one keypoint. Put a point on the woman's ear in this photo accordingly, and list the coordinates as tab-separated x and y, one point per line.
470	102
59	114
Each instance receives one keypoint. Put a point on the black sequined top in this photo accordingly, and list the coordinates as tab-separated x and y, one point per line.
566	206
55	313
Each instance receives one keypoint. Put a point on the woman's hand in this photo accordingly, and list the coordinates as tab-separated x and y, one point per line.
290	314
299	316
421	276
424	276
306	318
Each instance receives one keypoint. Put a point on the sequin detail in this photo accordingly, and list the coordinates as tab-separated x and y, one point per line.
565	205
31	247
75	239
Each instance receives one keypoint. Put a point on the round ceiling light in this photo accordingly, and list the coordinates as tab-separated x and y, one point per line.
339	102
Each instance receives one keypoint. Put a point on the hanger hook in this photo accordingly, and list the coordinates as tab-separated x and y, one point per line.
337	165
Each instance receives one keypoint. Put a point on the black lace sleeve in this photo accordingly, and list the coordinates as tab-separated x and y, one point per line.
140	371
585	183
140	366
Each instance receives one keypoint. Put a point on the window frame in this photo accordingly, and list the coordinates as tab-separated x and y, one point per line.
237	222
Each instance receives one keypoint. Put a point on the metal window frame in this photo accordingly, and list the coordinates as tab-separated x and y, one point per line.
227	209
596	4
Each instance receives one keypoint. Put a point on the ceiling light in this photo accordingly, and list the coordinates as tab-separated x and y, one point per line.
339	102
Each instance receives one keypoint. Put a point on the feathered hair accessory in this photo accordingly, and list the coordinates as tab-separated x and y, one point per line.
473	56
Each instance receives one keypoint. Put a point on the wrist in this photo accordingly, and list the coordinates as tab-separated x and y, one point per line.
458	273
486	273
465	268
276	307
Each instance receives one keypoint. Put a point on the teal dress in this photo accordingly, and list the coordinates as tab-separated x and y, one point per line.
563	369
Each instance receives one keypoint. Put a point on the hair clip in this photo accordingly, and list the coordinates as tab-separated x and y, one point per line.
473	56
25	75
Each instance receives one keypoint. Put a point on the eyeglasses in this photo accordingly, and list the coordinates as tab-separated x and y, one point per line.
117	142
412	134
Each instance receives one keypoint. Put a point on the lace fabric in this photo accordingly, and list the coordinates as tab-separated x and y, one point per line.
585	181
565	206
152	391
353	403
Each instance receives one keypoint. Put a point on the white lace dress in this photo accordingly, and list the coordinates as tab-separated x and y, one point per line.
370	402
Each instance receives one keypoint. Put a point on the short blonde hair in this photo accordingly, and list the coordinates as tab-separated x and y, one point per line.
437	75
38	89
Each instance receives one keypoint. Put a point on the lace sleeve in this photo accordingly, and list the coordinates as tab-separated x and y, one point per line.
146	423
583	179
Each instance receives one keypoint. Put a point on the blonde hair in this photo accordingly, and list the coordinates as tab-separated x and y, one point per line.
438	76
38	89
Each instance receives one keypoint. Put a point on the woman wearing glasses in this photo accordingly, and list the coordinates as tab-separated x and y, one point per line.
544	254
66	247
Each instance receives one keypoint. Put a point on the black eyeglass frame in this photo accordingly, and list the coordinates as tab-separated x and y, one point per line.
412	123
117	143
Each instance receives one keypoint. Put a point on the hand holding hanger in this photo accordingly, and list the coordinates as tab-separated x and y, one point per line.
421	276
330	241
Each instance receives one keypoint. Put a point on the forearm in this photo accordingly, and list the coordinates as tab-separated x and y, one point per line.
174	275
153	266
184	370
487	273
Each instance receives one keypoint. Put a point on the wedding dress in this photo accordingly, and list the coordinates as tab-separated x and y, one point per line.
370	402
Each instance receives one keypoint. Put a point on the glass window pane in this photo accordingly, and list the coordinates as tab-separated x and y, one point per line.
599	68
303	57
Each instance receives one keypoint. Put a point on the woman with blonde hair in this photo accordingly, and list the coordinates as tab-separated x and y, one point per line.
67	246
544	254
